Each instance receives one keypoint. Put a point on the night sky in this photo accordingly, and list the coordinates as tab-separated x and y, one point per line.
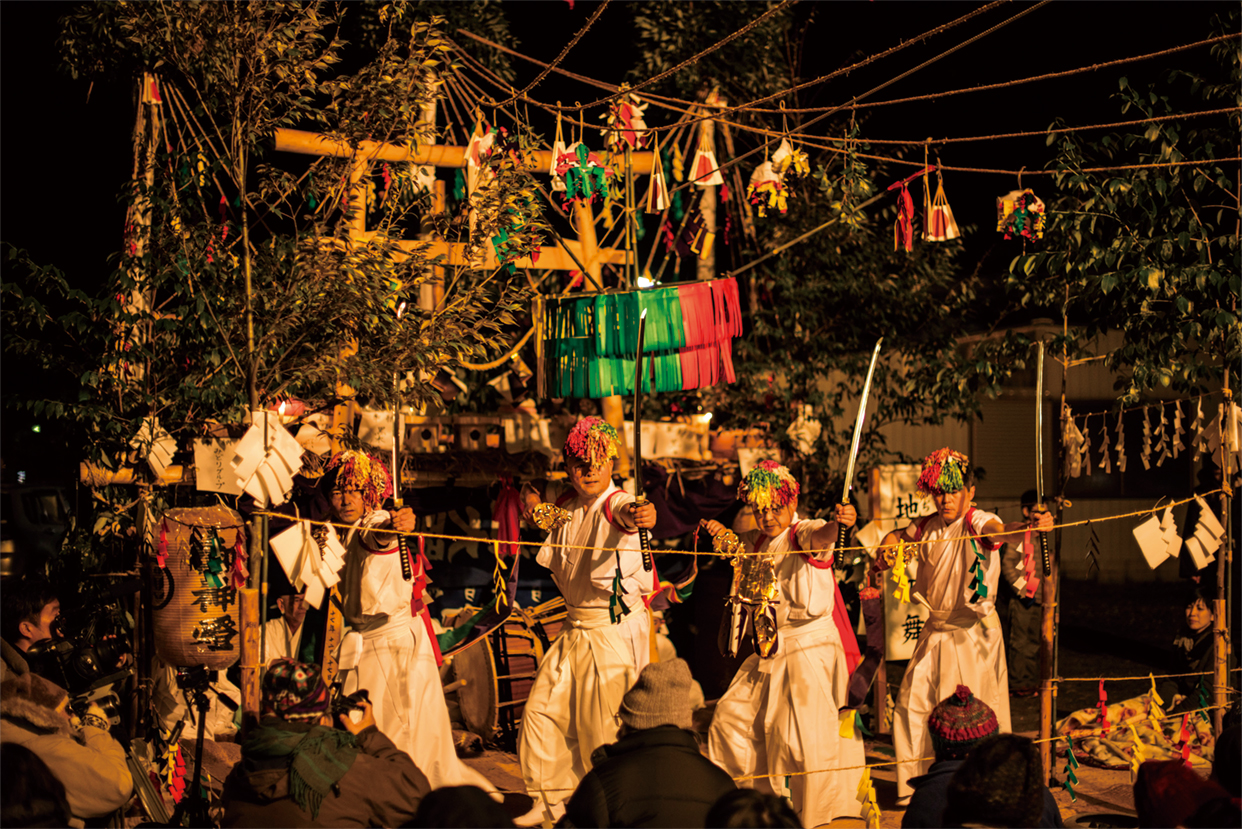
66	146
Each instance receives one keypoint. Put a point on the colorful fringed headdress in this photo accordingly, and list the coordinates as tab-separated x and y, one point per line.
944	472
351	469
768	486
592	441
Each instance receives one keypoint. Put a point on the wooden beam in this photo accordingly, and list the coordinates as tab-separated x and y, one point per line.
436	155
550	258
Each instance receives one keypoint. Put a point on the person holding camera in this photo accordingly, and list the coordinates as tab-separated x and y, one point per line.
297	770
34	713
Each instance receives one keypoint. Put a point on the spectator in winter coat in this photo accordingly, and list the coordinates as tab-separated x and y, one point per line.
30	795
81	754
1000	783
654	775
297	770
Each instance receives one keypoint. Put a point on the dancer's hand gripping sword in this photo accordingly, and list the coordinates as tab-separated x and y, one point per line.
639	499
842	530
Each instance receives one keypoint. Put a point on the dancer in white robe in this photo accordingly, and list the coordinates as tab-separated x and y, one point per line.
961	642
397	660
779	717
595	559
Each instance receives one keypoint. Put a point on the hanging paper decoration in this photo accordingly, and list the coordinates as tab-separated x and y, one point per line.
939	224
789	160
704	170
977	569
1020	213
657	193
903	227
586	178
558	149
695	238
867	797
1071	763
1106	462
312	557
626	127
1162	446
1197	428
679	163
1178	431
266	459
1145	455
1071	441
1226	423
1093	550
1207	538
766	190
1154	712
1028	583
899	575
155	444
1086	447
1121	444
1103	706
477	151
590	341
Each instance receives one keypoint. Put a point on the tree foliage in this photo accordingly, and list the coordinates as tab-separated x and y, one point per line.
238	278
1153	251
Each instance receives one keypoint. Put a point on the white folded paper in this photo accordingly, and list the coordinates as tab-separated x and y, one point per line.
1150	538
308	566
212	471
1168	527
157	443
266	459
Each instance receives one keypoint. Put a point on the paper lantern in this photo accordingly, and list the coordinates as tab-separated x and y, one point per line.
200	552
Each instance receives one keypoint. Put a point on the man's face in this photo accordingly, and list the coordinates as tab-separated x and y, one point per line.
41	630
588	481
953	505
775	520
347	505
293	608
1198	616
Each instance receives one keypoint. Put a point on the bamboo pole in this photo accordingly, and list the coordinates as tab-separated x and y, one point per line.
437	155
1224	568
705	266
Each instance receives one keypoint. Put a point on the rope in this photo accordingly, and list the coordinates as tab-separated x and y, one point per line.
572	43
553	545
1128	678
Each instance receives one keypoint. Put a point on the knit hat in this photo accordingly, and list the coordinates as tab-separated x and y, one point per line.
768	486
660	697
1000	783
592	441
351	469
958	723
1169	793
294	691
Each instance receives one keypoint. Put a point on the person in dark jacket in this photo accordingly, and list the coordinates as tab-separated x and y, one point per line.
1000	783
957	725
297	770
655	774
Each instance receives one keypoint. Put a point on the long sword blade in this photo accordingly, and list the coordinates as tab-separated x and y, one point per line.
1039	456
858	424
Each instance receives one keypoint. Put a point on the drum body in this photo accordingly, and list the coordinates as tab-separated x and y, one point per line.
499	669
195	613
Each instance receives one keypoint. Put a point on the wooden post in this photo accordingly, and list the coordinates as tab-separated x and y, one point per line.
705	266
879	690
1050	609
1224	568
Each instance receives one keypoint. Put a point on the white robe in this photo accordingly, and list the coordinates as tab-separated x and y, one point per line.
279	642
961	643
172	705
575	700
780	714
397	665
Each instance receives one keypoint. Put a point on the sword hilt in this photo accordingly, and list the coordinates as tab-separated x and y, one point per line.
644	541
1043	551
403	547
843	533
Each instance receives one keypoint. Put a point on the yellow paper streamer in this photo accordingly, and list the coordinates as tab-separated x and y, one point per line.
846	727
899	574
866	796
1140	755
1155	713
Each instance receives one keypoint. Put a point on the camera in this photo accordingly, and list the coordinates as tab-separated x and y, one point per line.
89	673
350	702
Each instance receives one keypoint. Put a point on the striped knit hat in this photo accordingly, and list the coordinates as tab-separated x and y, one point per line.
294	691
958	723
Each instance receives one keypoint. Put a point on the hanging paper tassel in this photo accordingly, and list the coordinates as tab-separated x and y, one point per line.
1071	763
617	607
900	577
240	574
1121	444
1154	712
161	552
977	569
1178	431
657	193
1106	461
1184	733
1137	753
903	228
1162	448
558	149
1145	455
1103	707
866	796
1197	428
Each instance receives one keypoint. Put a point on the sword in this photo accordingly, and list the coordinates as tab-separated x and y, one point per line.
842	530
407	572
1039	455
643	540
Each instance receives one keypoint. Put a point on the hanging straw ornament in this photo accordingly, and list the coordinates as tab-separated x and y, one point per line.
1145	455
657	193
1106	462
1121	444
940	225
704	170
766	190
558	149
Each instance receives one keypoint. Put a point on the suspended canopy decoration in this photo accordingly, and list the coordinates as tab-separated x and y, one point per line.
589	342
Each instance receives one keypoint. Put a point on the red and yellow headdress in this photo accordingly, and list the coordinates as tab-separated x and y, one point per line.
768	486
944	472
592	441
351	469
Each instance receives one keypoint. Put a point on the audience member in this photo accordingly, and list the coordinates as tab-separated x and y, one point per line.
297	770
654	775
1001	784
956	725
30	795
30	612
1169	793
460	807
81	754
743	808
1194	652
1225	769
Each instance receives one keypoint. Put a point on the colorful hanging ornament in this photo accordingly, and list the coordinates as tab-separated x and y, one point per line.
586	177
939	224
1020	213
695	237
766	190
1103	708
704	170
789	160
626	127
903	227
